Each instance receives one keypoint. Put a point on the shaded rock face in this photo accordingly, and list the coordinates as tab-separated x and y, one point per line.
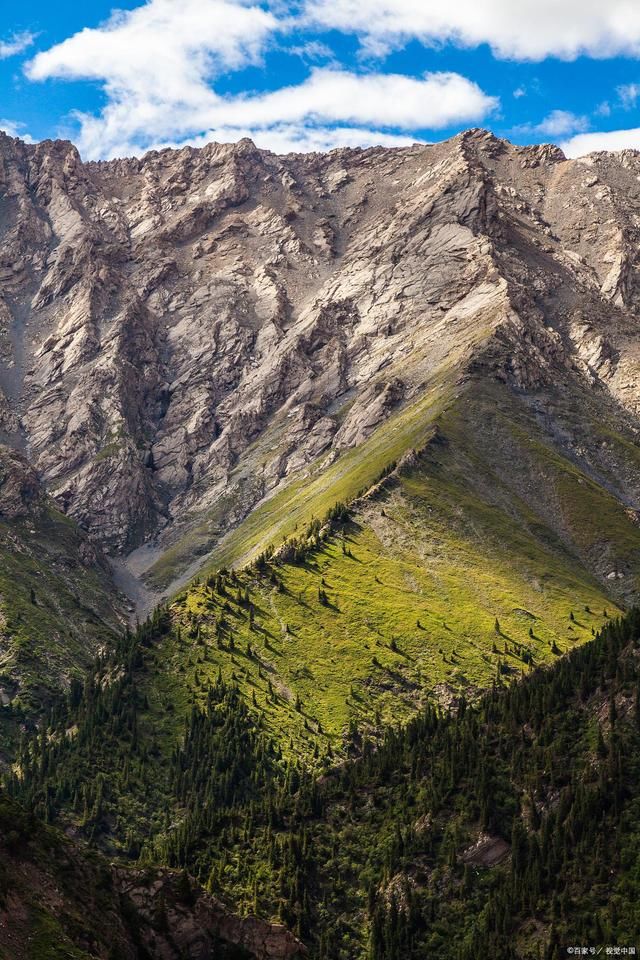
487	851
175	919
20	491
200	322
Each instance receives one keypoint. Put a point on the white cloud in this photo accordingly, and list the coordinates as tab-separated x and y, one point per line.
313	51
322	109
526	30
16	44
389	100
164	51
326	99
603	109
15	129
559	123
628	94
585	143
158	64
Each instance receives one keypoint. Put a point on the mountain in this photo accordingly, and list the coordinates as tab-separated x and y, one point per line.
208	351
355	436
205	347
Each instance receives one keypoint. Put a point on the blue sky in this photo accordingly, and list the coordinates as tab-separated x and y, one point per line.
317	74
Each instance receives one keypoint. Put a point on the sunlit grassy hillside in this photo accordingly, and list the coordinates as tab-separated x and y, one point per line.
457	570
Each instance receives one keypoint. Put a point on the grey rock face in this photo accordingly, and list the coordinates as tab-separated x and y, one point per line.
196	923
20	492
201	323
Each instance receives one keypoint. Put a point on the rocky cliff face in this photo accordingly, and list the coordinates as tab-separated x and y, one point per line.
186	334
20	492
176	918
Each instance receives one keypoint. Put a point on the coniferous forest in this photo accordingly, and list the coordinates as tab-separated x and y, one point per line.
507	827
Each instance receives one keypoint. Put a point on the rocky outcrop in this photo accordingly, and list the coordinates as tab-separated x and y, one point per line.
176	918
20	490
486	851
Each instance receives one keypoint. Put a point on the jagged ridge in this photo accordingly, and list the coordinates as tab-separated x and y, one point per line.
189	333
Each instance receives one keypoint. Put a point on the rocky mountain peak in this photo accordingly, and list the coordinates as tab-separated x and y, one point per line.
206	322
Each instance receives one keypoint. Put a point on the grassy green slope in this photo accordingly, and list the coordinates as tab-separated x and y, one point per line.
473	561
402	602
460	568
56	611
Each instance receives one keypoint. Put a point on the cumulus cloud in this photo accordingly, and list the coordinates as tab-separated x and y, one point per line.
584	143
389	100
526	30
628	94
167	46
158	64
15	129
559	123
16	44
313	51
311	115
